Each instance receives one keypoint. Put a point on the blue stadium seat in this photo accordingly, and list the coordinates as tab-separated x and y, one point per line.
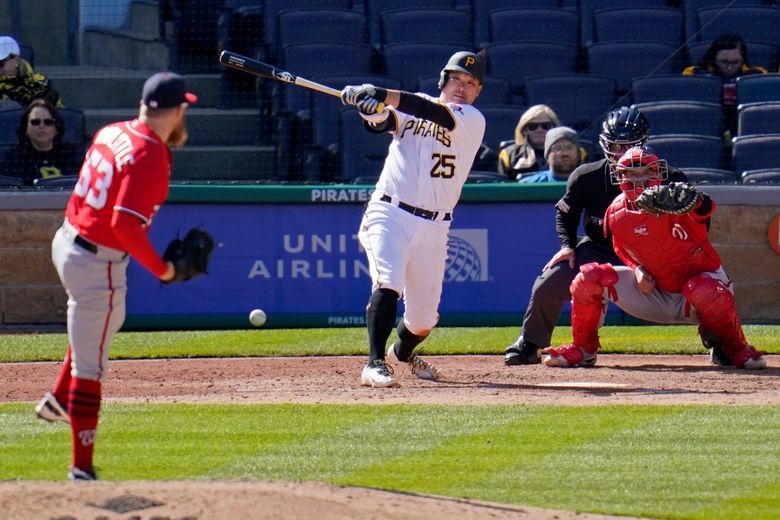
755	152
64	181
759	54
757	88
9	121
427	26
495	91
322	26
408	62
624	61
362	153
482	9
753	23
683	117
758	118
588	7
75	126
691	9
710	176
763	176
376	9
516	61
676	87
578	99
687	151
500	123
656	24
10	182
541	25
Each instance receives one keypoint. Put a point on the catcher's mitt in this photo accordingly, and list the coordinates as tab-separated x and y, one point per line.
190	255
675	198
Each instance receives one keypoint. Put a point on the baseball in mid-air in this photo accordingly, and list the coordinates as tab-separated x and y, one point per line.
257	317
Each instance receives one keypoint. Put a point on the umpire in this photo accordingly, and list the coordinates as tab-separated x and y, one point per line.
589	192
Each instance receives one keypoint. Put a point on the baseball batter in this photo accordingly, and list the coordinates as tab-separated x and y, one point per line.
123	182
672	274
405	227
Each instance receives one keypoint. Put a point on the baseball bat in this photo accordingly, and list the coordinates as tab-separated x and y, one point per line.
264	70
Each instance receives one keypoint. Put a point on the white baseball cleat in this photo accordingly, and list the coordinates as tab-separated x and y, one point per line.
49	409
378	375
417	365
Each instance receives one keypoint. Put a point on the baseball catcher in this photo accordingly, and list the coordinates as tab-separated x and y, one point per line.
672	273
190	256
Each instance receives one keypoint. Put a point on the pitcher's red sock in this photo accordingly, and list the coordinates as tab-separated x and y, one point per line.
62	386
83	408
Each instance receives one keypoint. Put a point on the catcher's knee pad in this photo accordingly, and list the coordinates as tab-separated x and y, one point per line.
709	296
588	286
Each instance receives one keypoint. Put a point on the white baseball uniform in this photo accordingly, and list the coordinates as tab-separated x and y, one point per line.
405	227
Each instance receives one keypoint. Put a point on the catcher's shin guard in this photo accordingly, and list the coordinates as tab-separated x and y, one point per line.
587	303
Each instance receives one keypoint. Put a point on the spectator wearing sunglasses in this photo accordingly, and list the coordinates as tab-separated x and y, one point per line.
18	81
563	154
41	152
525	155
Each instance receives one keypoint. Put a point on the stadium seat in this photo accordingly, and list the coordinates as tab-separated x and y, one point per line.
759	53
588	7
626	60
500	123
75	126
322	26
495	91
758	118
270	13
686	151
541	25
710	176
753	23
683	117
755	152
676	87
656	24
10	182
482	9
758	88
9	121
64	181
427	26
376	9
362	153
577	99
764	176
408	62
691	10
518	60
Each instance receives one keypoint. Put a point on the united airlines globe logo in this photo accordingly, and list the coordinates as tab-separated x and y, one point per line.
463	263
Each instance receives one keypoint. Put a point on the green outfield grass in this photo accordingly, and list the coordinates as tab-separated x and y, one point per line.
686	462
352	341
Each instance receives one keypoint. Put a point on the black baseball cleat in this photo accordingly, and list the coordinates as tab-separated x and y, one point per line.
522	353
78	474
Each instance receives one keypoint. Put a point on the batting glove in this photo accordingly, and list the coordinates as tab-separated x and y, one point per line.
353	94
374	117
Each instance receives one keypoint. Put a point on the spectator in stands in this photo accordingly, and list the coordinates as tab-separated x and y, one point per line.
562	152
41	152
18	81
525	154
727	59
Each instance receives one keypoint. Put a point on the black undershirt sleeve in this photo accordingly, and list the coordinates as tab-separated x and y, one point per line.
420	107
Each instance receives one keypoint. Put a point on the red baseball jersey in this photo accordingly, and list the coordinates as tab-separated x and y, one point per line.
672	248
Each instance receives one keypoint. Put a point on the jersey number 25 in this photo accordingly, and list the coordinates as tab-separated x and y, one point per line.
443	165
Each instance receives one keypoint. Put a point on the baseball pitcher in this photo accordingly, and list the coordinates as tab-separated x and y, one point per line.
405	227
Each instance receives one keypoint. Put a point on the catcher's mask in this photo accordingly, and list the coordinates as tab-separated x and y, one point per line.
637	169
623	128
463	61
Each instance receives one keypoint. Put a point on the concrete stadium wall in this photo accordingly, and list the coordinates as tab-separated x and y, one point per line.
30	292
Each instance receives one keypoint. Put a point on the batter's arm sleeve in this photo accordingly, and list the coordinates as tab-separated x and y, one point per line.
418	106
128	230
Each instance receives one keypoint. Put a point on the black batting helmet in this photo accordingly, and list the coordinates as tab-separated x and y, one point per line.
464	61
623	128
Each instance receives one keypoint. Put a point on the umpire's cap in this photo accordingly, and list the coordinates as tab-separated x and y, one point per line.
464	61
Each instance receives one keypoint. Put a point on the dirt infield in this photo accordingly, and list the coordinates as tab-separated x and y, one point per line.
466	380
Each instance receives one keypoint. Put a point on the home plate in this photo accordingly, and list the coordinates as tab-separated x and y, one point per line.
583	384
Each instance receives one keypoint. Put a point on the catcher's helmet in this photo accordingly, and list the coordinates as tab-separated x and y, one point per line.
637	169
464	61
623	128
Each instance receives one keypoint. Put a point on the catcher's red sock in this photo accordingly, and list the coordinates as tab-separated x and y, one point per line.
62	386
83	408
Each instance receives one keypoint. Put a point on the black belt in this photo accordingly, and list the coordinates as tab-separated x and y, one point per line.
417	212
86	244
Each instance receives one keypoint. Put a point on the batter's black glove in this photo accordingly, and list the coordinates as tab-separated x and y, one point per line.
675	198
190	255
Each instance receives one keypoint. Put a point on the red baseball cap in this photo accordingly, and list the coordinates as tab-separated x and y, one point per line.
166	90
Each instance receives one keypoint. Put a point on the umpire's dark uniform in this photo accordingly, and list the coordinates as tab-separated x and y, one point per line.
589	193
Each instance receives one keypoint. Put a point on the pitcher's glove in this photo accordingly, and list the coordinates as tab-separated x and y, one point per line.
675	198
190	256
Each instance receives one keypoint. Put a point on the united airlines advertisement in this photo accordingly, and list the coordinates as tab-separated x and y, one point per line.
304	266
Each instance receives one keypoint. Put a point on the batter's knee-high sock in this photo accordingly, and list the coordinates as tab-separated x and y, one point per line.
380	318
83	408
407	341
62	385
